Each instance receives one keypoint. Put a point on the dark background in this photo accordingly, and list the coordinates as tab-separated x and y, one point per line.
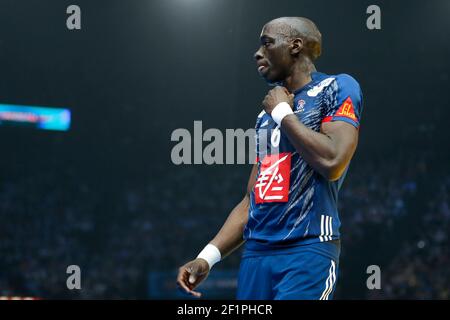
105	194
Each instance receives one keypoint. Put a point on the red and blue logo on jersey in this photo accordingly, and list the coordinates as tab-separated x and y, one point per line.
273	181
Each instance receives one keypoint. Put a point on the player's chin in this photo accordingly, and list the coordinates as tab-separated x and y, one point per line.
271	77
267	77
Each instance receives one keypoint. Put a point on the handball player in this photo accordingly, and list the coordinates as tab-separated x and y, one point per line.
306	136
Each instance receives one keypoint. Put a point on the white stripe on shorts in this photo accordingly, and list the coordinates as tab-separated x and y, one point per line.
329	283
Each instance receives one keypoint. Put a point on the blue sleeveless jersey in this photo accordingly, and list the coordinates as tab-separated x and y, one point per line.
291	204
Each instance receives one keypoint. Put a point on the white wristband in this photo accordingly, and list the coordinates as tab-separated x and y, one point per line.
282	110
211	254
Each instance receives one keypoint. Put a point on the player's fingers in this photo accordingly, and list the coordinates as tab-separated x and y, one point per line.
193	274
181	280
183	287
192	278
196	294
181	284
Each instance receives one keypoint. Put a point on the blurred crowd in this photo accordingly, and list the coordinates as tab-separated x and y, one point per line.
51	220
420	269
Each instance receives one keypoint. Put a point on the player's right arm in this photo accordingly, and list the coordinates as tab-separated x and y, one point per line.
228	239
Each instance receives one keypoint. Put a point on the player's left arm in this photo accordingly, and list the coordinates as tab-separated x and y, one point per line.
328	151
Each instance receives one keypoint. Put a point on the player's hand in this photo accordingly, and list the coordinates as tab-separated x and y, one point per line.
191	275
275	96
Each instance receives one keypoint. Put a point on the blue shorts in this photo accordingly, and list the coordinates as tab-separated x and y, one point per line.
306	272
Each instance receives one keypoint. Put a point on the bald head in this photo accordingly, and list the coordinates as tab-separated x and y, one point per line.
299	27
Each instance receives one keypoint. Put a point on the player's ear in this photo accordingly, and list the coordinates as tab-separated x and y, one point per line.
296	46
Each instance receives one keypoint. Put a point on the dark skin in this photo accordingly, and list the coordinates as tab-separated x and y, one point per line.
228	239
286	62
328	151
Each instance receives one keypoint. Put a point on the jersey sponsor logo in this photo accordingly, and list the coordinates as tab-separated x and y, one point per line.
346	110
318	89
273	182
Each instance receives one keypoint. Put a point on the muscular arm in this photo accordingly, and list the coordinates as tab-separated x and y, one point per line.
328	151
230	236
228	239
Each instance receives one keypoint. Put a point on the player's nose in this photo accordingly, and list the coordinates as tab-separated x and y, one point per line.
258	55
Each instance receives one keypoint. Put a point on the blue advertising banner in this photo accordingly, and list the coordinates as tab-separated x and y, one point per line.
36	117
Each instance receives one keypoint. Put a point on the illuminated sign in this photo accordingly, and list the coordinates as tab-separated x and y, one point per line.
36	117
